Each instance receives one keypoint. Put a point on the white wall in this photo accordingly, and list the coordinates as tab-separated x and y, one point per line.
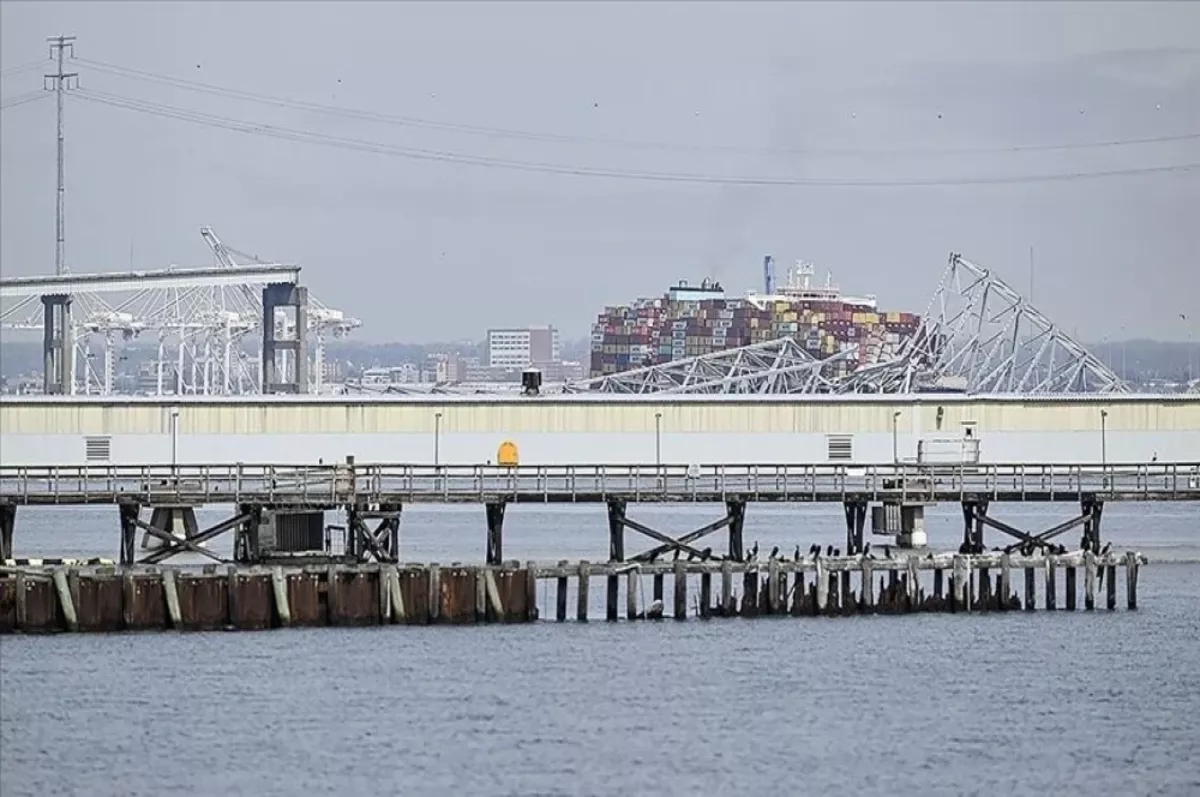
577	448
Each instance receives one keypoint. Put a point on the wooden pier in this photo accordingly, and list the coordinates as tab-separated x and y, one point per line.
278	510
99	599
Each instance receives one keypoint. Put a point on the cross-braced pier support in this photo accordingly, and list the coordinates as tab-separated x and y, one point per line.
856	521
618	522
129	517
192	542
381	543
8	519
975	518
495	532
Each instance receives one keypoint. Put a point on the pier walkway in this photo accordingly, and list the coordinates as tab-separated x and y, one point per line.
350	483
278	513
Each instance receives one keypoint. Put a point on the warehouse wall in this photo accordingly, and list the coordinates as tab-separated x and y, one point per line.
561	431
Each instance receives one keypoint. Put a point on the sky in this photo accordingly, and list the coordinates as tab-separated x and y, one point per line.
946	111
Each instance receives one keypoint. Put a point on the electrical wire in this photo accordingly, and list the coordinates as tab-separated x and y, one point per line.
498	132
12	70
21	99
359	145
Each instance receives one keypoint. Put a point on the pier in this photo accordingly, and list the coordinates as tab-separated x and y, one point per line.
278	513
286	569
256	598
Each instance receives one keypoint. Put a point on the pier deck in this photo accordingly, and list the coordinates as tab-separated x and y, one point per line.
348	484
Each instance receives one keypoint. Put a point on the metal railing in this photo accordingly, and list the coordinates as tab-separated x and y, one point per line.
333	485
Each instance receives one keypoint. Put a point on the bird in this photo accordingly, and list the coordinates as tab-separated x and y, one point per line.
814	550
867	549
1107	547
754	550
1085	544
706	554
887	552
829	551
691	556
837	551
774	553
796	555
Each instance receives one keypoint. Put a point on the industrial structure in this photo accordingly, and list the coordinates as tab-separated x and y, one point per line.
217	332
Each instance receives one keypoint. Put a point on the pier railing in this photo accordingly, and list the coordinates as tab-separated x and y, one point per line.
343	484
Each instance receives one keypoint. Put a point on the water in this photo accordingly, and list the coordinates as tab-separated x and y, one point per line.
922	704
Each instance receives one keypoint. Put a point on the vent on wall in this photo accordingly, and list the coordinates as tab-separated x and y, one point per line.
97	449
841	447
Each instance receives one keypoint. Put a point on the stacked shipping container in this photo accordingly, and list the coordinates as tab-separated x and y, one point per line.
676	326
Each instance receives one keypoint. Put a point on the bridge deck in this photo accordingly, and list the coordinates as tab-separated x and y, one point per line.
338	485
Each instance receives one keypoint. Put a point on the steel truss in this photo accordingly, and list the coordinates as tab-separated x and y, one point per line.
777	366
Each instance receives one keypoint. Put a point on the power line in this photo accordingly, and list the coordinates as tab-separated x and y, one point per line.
499	132
12	70
21	99
359	145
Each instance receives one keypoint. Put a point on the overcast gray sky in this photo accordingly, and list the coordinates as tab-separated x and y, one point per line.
423	250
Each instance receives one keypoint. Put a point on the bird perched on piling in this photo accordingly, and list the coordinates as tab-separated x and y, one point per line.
887	552
691	556
1107	547
774	553
706	554
753	552
829	551
814	550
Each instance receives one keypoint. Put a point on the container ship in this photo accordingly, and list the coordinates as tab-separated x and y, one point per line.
691	320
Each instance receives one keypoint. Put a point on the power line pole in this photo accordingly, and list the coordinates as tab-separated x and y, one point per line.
59	45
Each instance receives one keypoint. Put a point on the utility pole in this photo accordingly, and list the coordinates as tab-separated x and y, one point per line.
60	45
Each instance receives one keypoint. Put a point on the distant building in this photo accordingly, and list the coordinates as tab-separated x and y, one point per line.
519	348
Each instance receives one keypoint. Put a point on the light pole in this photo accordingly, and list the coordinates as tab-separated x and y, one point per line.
658	439
437	438
1103	438
896	437
174	438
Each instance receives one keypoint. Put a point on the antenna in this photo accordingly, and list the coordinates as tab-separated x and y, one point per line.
769	275
58	46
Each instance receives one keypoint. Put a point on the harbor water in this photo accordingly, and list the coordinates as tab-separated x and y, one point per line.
1008	703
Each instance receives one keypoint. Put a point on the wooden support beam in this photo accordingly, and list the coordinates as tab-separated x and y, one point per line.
633	580
65	600
690	537
666	540
129	515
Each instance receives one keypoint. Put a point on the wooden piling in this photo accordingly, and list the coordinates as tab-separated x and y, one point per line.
531	604
1005	582
680	591
1030	590
66	604
171	595
435	593
1072	589
1110	587
822	583
962	576
560	611
867	599
1051	585
399	608
773	601
632	579
705	595
611	603
728	604
581	603
279	593
1131	580
1089	580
